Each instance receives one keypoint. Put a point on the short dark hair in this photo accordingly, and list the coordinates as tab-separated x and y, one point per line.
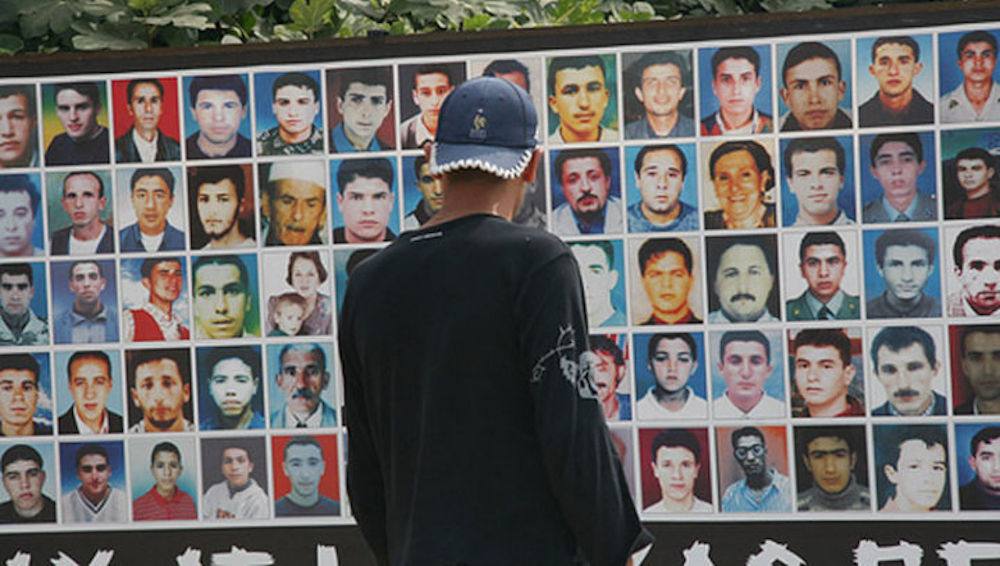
227	259
975	153
820	337
805	51
20	452
604	245
366	168
596	153
574	62
217	82
302	440
651	58
301	80
744	336
655	247
27	91
716	247
312	256
19	268
23	362
238	443
132	84
761	159
246	354
655	339
601	343
161	172
72	266
639	157
91	449
814	145
213	174
21	183
134	359
149	263
738	52
895	338
904	237
164	447
899	40
290	298
978	36
418	162
807	434
985	231
100	181
676	438
986	434
311	347
87	89
930	435
433	69
909	138
745	431
968	330
370	76
507	66
87	355
825	238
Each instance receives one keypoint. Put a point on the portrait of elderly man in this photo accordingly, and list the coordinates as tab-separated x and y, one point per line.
231	398
742	177
904	361
363	102
982	492
92	314
895	64
745	366
743	275
897	164
736	83
600	272
579	97
912	468
83	200
151	196
823	373
660	80
83	140
672	358
976	257
293	203
904	264
24	481
302	375
366	198
90	381
19	324
295	105
660	171
22	385
218	105
977	97
979	367
668	273
18	127
975	175
19	200
834	459
763	488
813	88
585	178
815	175
144	141
822	264
676	461
217	207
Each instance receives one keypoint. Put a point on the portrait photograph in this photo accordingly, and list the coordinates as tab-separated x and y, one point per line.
20	200
734	87
831	469
602	269
289	111
898	177
222	207
216	116
609	359
293	203
26	403
738	185
160	389
151	209
968	83
826	372
667	280
225	296
306	475
970	185
25	294
422	89
907	371
742	275
593	117
298	290
147	126
753	451
525	72
621	437
360	106
81	207
814	85
366	200
974	350
661	184
24	500
230	387
586	191
669	370
423	194
658	88
817	184
75	123
892	69
911	468
344	262
89	384
901	273
164	478
972	270
84	301
92	481
302	388
234	479
157	286
977	446
747	373
18	106
676	470
822	271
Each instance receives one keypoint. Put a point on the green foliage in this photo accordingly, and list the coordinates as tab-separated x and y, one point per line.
44	26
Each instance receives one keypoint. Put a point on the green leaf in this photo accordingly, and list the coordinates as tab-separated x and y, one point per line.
10	44
193	16
286	33
310	16
236	7
40	16
794	5
93	37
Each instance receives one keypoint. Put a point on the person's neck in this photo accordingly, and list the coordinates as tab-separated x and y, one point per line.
570	136
298	138
303	500
359	143
89	232
160	304
674	316
168	494
679	505
978	192
897	103
825	299
213	149
660	218
746	404
662	124
26	429
978	91
34	511
603	309
824	219
501	198
759	481
430	123
86	310
831	408
905	505
97	497
231	239
96	426
903	304
148	135
901	203
610	406
671	400
991	407
736	121
154	231
752	220
237	423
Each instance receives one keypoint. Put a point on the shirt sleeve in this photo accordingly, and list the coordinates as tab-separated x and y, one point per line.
584	471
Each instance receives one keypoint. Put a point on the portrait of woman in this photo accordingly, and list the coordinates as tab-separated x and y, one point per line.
742	180
306	275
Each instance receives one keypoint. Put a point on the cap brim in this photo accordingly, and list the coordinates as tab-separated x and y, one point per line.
505	162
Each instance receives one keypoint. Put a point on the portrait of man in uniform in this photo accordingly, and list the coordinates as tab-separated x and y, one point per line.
823	265
976	98
295	107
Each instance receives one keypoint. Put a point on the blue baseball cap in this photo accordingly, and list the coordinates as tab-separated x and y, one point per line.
487	123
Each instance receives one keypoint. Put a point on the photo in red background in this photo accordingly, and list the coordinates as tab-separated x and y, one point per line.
329	485
651	486
729	469
169	122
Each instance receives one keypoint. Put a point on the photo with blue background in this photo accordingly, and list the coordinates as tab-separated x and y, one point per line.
615	191
140	453
774	386
887	441
263	99
207	407
63	299
951	73
923	82
710	103
64	398
191	125
875	285
341	260
276	397
871	190
689	193
48	453
34	179
644	377
338	218
842	49
617	292
845	200
67	463
964	432
134	294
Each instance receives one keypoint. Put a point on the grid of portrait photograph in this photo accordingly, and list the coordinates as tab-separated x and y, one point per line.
789	249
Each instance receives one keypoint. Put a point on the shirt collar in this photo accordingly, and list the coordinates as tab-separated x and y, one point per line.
77	318
147	149
750	128
84	429
892	213
833	304
314	420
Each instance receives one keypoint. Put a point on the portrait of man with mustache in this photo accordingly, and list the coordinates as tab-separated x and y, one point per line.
590	190
743	275
904	359
302	376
